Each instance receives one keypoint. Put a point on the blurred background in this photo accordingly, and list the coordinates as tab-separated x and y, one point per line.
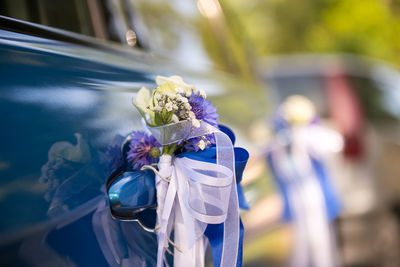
343	55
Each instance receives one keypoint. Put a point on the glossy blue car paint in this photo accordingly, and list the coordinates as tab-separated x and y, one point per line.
61	107
65	107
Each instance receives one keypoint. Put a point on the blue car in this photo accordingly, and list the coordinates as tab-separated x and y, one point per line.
65	108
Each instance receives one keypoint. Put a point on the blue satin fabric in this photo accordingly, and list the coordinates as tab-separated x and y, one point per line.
332	199
214	233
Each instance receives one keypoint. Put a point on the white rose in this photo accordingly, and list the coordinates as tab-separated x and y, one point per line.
176	82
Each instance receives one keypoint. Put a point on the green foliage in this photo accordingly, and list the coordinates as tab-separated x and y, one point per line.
225	45
367	27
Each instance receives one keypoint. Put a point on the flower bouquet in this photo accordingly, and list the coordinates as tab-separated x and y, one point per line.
197	174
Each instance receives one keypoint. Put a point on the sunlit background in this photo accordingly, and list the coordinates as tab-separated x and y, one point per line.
341	54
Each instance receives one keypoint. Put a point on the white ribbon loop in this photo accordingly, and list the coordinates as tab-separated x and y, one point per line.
202	173
206	197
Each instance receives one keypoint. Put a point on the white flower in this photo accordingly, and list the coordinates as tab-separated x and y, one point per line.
143	98
168	106
202	93
175	106
183	99
177	80
182	114
172	83
144	103
157	97
157	109
191	115
188	93
171	96
179	90
175	118
201	144
187	106
196	123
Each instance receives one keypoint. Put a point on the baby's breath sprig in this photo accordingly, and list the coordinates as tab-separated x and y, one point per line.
170	108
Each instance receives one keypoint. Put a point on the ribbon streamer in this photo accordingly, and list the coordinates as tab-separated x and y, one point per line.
309	199
199	194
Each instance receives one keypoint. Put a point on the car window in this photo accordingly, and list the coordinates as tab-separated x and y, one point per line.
373	99
67	15
103	19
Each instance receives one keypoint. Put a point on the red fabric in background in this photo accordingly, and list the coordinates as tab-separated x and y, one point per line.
346	111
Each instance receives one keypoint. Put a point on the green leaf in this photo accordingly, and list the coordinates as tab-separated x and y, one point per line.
164	115
169	117
158	119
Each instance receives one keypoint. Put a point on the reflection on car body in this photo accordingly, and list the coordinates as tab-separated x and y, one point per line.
66	105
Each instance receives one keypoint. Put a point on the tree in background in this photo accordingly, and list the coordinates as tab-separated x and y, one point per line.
367	27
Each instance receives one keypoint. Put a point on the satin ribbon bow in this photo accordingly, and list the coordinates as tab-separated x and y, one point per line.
198	194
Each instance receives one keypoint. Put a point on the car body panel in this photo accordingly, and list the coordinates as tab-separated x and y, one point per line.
60	112
65	106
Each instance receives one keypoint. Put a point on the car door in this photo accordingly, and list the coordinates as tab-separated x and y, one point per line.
64	109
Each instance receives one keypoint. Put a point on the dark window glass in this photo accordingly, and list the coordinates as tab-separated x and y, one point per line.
103	19
70	15
372	99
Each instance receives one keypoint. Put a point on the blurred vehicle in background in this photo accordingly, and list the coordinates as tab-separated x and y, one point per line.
360	98
65	98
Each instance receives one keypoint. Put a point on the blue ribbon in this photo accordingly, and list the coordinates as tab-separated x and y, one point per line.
214	233
332	201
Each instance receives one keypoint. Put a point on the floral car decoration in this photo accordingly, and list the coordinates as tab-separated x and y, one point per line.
189	175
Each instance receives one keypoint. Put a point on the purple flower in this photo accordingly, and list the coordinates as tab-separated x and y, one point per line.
204	110
143	150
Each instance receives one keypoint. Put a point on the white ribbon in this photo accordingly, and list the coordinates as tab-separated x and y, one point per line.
199	193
